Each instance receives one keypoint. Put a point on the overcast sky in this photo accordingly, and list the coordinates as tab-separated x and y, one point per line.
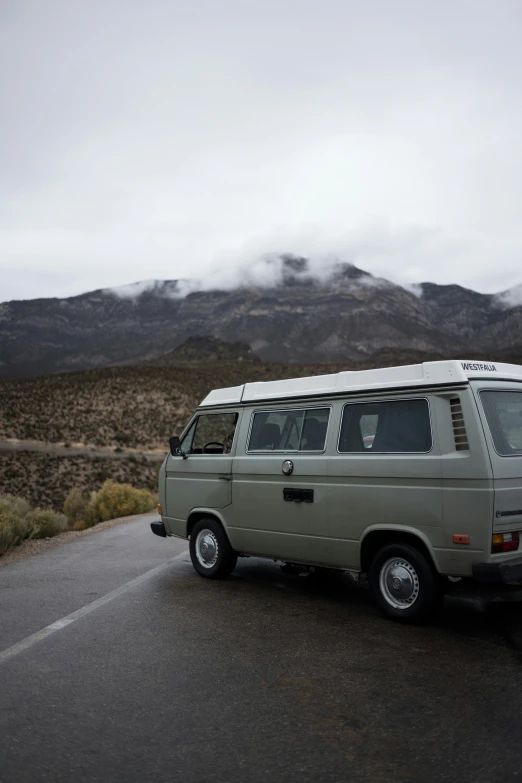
167	138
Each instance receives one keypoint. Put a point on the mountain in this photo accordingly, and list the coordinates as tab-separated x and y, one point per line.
210	349
302	317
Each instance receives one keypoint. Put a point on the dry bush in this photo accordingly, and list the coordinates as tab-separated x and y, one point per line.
14	504
118	500
15	524
23	528
75	506
47	523
18	521
8	537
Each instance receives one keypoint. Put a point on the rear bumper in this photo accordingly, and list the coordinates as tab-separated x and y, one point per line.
498	573
158	528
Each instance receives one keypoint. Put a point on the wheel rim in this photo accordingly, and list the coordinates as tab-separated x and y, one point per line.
399	583
207	548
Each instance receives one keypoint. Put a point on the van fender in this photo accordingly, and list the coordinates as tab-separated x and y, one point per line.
202	511
413	531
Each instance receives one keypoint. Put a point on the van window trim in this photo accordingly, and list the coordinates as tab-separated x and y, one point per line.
275	409
203	412
369	452
487	389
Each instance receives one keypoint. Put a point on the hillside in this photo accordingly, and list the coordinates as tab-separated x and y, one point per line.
139	407
125	411
135	407
208	349
346	315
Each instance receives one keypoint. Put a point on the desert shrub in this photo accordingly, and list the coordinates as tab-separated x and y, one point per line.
23	528
18	521
7	530
118	500
47	523
76	506
14	505
14	527
15	524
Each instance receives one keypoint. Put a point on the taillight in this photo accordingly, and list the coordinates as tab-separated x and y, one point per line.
505	542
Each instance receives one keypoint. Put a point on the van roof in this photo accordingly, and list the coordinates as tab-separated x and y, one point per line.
411	376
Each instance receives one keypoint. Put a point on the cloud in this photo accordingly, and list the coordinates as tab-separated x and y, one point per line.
168	289
267	271
187	141
273	270
415	289
511	298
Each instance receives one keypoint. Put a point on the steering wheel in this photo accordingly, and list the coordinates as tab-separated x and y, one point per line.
211	443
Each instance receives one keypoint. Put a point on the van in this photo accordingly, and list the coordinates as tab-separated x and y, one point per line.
409	477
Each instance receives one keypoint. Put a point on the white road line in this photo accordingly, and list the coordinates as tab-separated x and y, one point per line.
39	636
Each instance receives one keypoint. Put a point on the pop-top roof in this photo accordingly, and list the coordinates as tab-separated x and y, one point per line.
409	376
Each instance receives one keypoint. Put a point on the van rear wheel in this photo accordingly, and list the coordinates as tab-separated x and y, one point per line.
404	584
210	550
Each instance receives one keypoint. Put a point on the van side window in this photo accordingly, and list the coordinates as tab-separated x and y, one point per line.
211	433
504	414
289	430
400	427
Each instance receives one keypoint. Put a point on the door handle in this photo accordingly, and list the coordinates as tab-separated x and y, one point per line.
298	495
225	478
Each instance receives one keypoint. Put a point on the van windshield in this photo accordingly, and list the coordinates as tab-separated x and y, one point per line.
504	414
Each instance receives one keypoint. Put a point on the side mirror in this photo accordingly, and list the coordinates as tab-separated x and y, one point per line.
174	443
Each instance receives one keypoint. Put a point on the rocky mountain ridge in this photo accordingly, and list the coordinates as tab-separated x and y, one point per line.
208	349
303	317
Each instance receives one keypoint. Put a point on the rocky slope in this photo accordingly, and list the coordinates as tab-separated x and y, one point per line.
204	348
347	315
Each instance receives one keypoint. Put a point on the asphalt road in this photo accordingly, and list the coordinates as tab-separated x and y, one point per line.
151	673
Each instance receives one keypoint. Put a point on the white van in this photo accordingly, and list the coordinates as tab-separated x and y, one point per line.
409	476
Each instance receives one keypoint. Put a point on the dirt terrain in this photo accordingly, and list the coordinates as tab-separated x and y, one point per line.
137	407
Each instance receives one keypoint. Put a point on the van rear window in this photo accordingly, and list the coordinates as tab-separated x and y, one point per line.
400	427
289	430
504	414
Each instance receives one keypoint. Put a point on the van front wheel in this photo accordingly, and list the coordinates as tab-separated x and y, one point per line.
210	550
403	583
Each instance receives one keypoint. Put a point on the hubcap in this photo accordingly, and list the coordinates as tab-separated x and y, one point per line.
207	548
399	583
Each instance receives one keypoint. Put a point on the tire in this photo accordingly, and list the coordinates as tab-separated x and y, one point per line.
404	584
210	550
